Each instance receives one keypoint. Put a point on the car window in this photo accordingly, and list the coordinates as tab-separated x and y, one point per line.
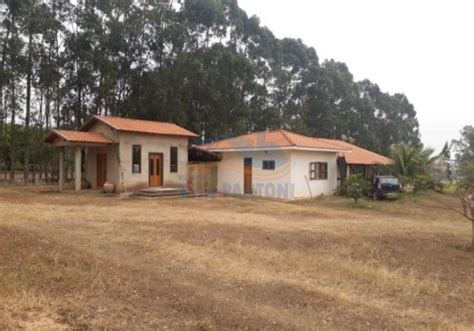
393	181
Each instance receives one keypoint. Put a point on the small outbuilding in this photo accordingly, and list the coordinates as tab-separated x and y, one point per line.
130	154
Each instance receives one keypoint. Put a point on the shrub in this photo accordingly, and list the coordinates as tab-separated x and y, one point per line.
355	187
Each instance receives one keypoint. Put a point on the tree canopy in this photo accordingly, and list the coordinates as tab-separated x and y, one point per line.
464	147
203	64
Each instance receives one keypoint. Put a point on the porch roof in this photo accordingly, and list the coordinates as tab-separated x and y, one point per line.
78	137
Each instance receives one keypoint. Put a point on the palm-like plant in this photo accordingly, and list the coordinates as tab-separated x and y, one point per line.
412	161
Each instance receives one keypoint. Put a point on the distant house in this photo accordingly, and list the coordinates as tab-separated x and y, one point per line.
282	164
131	154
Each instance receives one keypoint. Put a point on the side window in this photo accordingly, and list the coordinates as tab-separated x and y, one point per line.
268	165
173	159
312	171
136	159
318	170
323	170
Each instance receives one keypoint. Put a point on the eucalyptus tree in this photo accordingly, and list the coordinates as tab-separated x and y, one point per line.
204	64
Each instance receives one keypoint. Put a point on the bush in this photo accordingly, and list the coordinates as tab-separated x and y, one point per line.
423	182
355	187
341	190
419	183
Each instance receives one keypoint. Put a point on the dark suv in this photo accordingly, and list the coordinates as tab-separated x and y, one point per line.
386	186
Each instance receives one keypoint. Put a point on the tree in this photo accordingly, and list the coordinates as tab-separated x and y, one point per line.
464	147
204	64
356	187
465	186
465	192
412	164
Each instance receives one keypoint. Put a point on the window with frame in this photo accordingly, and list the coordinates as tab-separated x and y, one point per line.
136	159
268	165
318	170
173	159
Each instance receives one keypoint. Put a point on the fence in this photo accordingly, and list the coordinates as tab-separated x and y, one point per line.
202	177
37	174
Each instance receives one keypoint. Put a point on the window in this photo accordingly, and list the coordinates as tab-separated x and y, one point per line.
268	165
318	170
173	159
136	159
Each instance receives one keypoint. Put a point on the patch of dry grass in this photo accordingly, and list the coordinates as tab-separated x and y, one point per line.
97	262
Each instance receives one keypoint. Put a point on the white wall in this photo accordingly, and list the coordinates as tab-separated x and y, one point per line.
149	144
268	183
106	130
110	150
112	165
300	169
287	181
153	144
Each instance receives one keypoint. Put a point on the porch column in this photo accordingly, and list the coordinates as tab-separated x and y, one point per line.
61	168
77	169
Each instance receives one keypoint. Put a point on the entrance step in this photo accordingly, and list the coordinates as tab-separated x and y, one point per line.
162	192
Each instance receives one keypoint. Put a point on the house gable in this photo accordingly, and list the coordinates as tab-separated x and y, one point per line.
139	126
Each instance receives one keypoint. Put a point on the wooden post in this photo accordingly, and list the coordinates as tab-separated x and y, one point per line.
61	168
77	170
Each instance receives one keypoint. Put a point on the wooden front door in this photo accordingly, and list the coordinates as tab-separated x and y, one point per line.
156	170
101	169
248	175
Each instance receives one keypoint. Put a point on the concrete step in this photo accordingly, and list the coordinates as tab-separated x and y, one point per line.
157	190
166	192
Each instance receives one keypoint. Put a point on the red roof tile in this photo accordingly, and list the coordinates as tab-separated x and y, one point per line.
78	137
141	126
272	139
285	139
359	155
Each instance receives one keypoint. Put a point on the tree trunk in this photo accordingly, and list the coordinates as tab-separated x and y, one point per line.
2	67
28	110
13	133
472	238
47	109
40	111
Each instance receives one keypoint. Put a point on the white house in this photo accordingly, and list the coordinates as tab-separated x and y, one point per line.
282	164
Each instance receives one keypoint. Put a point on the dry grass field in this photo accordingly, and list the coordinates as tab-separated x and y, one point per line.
96	262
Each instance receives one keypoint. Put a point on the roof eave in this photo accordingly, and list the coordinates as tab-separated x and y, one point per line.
370	163
285	148
49	139
190	135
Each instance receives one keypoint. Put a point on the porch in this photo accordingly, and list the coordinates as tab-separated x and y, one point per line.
85	145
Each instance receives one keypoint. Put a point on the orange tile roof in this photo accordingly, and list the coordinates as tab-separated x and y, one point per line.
78	137
141	126
272	139
285	139
359	155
